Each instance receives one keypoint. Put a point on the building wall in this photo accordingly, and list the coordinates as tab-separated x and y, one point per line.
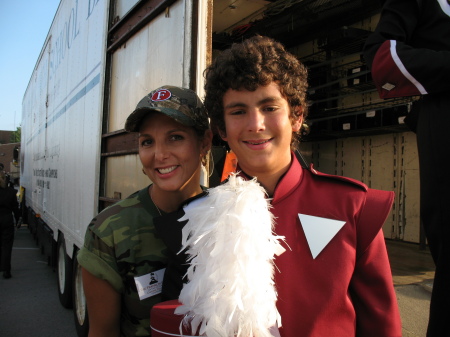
6	158
5	136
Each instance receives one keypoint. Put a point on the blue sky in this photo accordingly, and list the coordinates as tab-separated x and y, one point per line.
24	25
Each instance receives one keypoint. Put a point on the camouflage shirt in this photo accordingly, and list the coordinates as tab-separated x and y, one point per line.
121	243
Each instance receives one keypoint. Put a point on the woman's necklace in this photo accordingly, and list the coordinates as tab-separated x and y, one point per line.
154	202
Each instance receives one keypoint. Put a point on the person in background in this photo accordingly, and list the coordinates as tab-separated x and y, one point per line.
124	256
409	55
334	278
9	211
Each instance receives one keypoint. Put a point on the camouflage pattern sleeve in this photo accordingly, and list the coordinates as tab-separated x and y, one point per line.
121	246
117	238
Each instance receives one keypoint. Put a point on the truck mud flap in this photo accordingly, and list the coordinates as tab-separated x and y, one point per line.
46	242
32	222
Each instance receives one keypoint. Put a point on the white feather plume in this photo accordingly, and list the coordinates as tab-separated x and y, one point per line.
230	242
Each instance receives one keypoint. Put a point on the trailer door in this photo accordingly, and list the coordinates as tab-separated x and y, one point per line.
150	44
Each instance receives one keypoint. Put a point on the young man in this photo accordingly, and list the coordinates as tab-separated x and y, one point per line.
334	278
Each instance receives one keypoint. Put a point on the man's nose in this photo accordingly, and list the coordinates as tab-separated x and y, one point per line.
256	120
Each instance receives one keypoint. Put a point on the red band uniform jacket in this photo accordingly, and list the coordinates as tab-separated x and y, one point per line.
346	289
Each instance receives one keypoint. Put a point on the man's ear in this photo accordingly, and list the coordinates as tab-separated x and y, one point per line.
297	121
297	125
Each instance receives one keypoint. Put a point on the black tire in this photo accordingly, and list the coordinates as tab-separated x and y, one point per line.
64	274
79	301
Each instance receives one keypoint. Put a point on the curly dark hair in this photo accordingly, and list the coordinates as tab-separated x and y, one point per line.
257	61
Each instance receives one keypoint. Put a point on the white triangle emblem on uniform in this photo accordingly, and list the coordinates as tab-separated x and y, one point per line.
319	231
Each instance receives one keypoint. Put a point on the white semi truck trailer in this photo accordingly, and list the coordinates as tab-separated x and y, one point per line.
101	56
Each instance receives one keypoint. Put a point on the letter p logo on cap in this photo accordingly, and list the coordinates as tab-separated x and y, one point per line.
161	95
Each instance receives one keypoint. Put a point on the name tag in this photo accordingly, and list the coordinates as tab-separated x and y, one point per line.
149	285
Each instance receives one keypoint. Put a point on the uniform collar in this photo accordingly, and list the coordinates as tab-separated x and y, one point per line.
287	183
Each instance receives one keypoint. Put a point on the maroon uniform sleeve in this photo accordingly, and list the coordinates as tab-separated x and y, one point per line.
373	293
372	288
408	52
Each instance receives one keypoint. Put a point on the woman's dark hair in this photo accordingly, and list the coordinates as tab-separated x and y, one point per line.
255	62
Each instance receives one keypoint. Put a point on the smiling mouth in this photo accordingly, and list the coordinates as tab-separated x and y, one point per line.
166	170
254	142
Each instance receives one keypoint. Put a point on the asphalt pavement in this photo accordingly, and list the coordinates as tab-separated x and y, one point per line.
29	303
413	274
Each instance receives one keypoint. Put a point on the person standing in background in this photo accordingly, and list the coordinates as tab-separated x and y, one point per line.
9	211
409	55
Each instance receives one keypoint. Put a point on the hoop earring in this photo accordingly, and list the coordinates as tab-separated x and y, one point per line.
211	163
203	159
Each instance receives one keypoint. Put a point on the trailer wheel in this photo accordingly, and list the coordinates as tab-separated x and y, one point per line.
79	301
64	271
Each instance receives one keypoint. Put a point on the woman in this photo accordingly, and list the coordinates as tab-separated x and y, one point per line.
124	256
